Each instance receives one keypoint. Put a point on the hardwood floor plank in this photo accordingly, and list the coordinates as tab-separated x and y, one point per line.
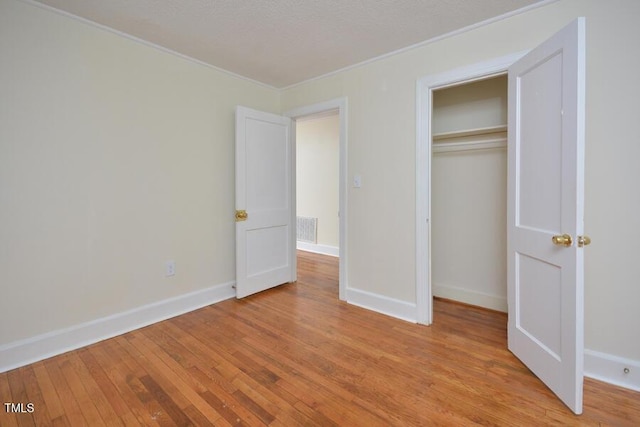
133	361
121	377
78	391
93	391
197	418
20	397
41	417
61	422
324	382
50	398
170	407
120	409
224	409
174	379
297	356
247	402
72	410
6	418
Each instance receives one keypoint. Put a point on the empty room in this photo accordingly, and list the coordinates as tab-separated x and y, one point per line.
476	273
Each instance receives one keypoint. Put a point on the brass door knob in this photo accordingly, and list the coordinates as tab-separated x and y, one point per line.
562	240
584	241
241	215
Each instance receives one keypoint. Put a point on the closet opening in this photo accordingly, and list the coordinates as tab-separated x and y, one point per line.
469	193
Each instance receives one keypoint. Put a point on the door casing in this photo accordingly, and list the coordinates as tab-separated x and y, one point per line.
424	106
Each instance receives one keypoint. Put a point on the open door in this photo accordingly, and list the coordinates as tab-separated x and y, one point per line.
545	212
265	234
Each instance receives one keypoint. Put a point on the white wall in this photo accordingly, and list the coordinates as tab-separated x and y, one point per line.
317	157
114	157
381	148
469	198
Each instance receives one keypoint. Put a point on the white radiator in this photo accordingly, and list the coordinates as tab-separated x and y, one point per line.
307	229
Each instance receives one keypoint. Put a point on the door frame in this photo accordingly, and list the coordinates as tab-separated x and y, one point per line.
424	100
339	105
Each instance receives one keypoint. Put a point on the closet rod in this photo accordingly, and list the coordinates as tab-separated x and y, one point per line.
469	132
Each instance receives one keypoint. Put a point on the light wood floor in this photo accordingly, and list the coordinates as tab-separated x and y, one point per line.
295	355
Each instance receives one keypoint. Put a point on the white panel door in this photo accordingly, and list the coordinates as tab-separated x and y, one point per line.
545	199
265	234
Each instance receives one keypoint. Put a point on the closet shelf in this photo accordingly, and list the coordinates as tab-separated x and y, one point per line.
469	132
494	137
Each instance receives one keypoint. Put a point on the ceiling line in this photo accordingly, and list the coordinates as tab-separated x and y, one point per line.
425	42
281	89
145	42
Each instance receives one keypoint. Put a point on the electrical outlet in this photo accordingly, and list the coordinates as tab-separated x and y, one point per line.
170	268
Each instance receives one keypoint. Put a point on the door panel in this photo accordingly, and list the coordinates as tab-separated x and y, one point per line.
265	241
541	147
267	154
539	284
266	249
545	199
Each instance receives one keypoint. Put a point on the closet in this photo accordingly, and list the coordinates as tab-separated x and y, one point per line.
469	193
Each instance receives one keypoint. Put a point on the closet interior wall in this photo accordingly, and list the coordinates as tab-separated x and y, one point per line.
468	194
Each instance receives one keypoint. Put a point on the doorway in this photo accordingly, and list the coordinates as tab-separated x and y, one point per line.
469	193
426	86
337	108
317	183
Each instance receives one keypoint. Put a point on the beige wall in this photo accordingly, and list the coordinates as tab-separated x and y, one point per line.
469	198
381	148
114	157
317	155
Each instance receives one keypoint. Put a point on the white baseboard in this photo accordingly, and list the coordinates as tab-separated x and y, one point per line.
600	366
611	369
318	249
30	350
468	296
381	304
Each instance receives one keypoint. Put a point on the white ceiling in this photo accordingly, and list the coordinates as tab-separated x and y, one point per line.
283	42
